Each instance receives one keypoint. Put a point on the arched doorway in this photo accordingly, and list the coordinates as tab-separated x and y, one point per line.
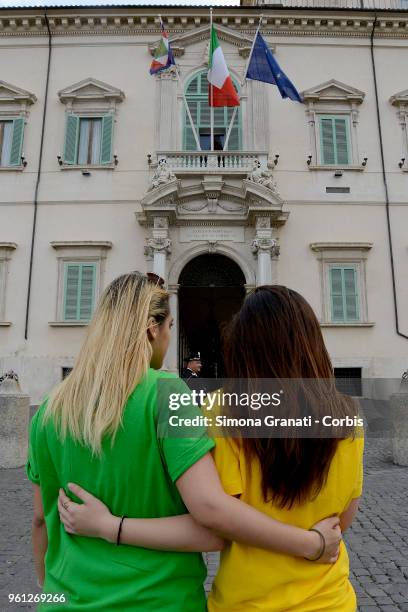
212	288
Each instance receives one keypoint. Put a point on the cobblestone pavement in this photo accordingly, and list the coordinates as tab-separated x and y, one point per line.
377	541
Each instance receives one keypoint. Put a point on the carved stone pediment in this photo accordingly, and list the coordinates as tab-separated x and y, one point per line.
400	99
333	91
212	199
10	94
179	42
90	90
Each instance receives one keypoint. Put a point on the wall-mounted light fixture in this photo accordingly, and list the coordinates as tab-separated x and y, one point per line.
338	173
309	160
402	162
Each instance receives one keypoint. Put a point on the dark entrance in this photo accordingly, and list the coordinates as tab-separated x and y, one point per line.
211	292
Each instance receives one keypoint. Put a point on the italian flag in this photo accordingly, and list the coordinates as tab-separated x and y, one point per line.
223	91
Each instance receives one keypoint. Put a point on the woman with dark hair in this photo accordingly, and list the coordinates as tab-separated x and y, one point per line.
296	480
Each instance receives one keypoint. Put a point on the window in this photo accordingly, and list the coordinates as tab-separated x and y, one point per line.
344	293
400	101
80	268
90	115
197	99
6	249
79	291
11	141
66	371
334	140
88	140
348	381
332	111
14	112
89	146
342	266
2	287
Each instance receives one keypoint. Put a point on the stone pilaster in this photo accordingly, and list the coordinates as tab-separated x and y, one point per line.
159	246
266	249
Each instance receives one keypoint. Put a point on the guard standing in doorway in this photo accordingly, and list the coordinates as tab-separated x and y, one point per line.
193	367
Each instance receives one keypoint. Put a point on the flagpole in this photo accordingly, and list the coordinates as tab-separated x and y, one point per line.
190	118
211	86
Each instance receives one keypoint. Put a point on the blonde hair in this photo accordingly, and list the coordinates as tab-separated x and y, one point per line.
114	358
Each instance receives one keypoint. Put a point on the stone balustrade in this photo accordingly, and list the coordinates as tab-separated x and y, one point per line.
190	162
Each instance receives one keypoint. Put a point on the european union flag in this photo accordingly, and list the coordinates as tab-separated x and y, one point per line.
264	67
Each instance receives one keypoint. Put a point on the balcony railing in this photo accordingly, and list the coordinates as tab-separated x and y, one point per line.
239	162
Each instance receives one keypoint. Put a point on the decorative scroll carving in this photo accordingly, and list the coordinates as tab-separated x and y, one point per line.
265	245
157	245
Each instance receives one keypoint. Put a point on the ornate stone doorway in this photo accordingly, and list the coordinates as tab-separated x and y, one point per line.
211	290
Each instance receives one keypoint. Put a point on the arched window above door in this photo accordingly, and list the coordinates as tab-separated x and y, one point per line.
197	99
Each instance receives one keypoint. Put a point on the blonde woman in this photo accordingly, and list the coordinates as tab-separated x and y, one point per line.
98	428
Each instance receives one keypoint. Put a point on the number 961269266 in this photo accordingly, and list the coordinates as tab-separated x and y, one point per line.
36	598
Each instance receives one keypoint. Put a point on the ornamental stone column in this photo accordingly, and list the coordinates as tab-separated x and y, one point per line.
266	249
171	361
159	246
166	116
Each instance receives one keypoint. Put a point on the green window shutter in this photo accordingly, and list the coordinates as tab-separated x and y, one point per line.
79	291
336	286
342	144
327	140
72	279
344	294
71	139
17	142
350	294
107	139
335	140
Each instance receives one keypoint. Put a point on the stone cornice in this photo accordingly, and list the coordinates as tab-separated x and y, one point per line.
101	244
90	89
400	99
102	22
340	246
11	93
8	246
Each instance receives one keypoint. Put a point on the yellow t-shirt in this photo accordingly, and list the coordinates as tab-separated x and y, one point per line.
254	579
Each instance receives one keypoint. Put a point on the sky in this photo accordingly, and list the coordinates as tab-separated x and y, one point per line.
84	3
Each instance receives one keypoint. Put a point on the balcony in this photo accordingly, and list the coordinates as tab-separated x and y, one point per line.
212	162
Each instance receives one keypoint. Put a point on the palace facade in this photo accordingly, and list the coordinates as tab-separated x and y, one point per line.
100	175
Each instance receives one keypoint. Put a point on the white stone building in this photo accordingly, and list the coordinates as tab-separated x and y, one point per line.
82	198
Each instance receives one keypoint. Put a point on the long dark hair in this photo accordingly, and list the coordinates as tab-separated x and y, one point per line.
277	335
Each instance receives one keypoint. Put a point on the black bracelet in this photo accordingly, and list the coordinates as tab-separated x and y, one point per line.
322	547
120	530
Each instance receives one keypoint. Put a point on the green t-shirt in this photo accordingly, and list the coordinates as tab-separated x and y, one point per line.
135	478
